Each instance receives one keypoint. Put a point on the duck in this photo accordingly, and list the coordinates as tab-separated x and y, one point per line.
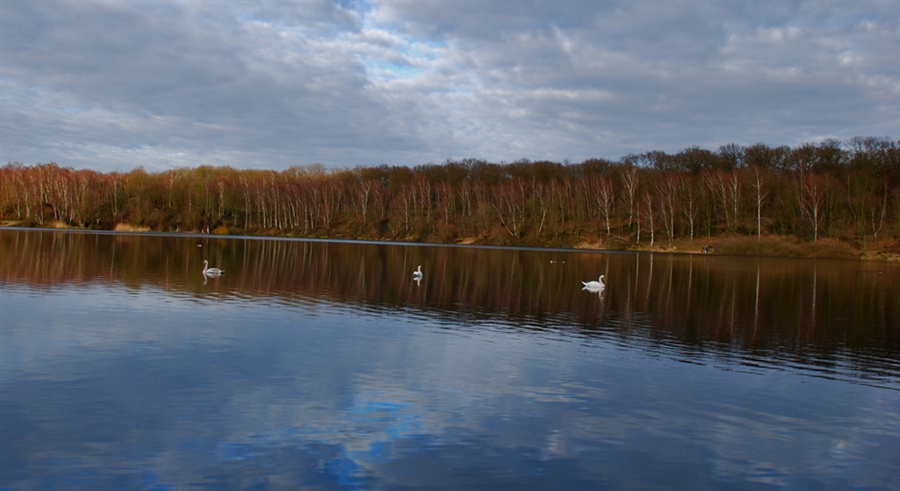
418	274
595	285
207	271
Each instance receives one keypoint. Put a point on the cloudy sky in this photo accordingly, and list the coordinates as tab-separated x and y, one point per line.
270	84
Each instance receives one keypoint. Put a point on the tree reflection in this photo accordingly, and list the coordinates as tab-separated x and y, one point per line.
811	310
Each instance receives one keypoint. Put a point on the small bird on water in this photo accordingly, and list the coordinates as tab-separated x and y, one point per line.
207	271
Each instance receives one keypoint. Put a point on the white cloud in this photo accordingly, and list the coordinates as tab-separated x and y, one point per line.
274	84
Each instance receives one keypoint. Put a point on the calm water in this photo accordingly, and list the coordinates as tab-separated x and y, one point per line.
323	365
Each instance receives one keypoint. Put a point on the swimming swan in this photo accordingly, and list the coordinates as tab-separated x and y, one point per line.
418	274
595	285
207	271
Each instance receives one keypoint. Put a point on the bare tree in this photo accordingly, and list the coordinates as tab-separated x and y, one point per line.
759	197
446	200
647	213
726	187
667	193
406	202
690	207
880	212
509	203
541	194
812	201
629	192
734	195
605	198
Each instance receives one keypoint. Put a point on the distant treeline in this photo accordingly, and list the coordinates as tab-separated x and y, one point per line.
846	190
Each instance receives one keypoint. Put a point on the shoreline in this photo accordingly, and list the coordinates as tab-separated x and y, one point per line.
745	246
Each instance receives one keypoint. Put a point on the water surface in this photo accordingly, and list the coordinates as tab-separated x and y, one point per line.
324	365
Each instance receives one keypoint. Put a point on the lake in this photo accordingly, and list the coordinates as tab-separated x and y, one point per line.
325	365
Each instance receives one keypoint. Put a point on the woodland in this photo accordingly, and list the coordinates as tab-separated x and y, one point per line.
828	198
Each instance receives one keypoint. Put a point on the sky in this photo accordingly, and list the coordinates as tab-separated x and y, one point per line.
272	84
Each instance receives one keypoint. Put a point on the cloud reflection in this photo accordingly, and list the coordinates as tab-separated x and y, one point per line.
315	366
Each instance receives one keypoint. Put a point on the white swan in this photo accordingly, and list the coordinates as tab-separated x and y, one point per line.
418	274
595	285
207	271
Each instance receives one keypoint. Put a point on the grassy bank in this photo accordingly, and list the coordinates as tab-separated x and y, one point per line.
773	246
765	246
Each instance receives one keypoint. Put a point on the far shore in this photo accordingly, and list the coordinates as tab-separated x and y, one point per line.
763	246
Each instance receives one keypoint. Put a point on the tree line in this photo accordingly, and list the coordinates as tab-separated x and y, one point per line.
847	190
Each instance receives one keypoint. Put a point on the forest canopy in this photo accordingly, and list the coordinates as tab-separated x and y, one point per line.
845	190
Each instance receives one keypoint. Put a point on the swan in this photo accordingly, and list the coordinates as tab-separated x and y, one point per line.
207	271
595	285
418	274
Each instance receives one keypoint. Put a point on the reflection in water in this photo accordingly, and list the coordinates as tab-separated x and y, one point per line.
819	313
328	366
